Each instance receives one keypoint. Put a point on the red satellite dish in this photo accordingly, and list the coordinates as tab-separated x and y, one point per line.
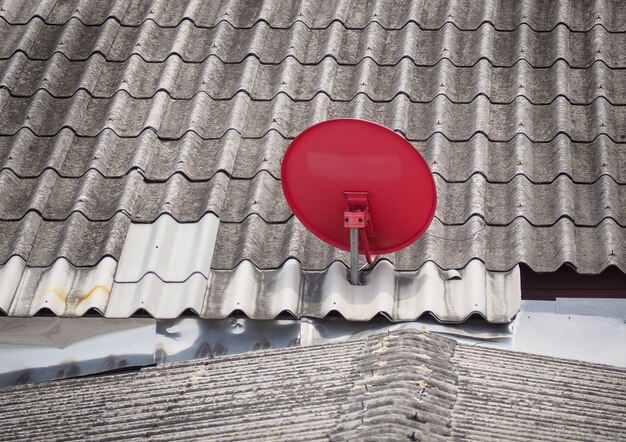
347	179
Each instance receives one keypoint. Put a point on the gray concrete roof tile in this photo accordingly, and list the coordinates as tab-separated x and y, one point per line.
211	119
310	45
579	16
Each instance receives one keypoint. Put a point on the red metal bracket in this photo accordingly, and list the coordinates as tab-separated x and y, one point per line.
357	216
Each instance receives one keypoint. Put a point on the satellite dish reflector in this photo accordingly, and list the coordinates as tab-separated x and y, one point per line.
358	186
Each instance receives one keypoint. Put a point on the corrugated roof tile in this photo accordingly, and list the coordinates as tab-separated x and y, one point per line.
63	289
28	156
173	251
579	16
310	45
63	78
83	242
211	119
588	249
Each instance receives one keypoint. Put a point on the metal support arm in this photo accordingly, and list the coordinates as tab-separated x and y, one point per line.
354	256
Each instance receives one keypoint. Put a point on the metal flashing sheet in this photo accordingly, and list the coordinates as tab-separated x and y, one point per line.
538	329
586	338
52	348
612	308
38	349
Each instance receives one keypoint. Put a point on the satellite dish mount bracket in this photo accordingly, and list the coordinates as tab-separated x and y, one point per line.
358	219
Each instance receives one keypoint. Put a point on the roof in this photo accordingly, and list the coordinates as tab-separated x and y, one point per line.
135	123
397	385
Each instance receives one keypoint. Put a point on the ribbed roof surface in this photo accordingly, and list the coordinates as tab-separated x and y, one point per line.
394	386
510	396
580	16
118	113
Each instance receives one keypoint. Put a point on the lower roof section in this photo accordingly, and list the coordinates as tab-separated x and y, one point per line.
396	385
450	296
514	396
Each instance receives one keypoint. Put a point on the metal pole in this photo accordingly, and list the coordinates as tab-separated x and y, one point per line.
354	256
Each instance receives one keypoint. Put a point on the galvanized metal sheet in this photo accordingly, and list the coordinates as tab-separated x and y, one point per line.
610	308
38	349
594	339
190	338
